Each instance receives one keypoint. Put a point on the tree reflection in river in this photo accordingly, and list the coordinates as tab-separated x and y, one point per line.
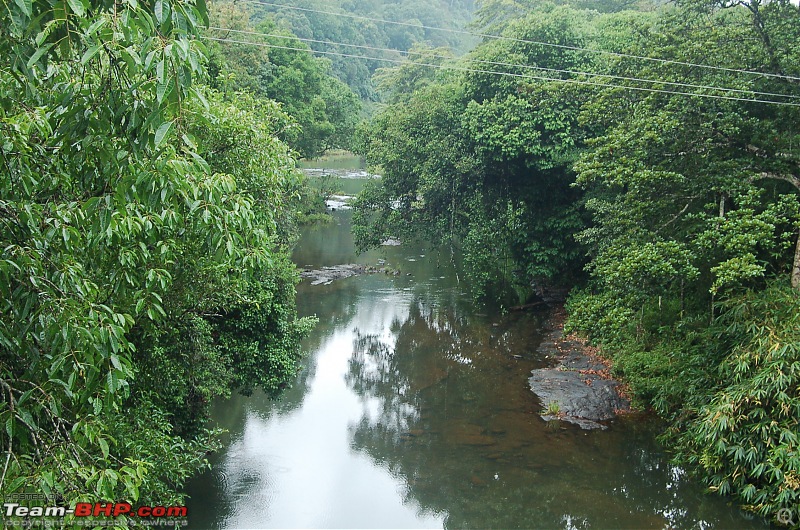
449	413
414	410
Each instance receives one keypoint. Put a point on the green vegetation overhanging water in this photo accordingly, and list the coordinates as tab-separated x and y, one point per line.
413	410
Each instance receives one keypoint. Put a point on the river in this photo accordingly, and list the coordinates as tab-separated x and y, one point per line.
413	410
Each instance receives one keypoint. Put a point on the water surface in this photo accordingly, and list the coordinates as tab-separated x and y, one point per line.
413	411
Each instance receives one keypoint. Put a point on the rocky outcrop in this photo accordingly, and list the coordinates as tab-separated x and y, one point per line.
579	388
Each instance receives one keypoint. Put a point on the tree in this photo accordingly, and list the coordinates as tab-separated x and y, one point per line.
696	214
118	237
473	157
338	24
280	67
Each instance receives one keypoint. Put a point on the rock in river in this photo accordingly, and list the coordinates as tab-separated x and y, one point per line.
578	389
326	275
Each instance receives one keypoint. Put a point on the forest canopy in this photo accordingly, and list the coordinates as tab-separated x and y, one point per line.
649	156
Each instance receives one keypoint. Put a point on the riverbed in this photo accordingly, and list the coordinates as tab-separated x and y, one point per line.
413	410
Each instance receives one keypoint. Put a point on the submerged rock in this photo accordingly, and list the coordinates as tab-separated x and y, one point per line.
326	275
468	434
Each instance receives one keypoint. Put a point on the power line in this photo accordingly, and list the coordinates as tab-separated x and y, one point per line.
508	74
512	65
525	41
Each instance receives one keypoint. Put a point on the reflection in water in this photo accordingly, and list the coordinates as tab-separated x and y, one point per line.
455	422
413	411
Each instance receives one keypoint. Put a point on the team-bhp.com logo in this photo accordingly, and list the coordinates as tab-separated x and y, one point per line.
146	515
86	509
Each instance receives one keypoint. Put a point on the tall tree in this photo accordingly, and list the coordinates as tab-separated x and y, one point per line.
124	252
696	211
475	156
280	67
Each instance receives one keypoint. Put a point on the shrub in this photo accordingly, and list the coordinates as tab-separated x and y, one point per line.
746	438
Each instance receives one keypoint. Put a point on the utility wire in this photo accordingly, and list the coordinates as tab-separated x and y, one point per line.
525	41
508	74
510	65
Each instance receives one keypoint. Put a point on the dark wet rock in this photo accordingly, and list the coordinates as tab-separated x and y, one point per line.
429	378
578	389
476	439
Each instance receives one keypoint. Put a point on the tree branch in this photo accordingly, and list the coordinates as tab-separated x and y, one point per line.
792	179
674	218
761	153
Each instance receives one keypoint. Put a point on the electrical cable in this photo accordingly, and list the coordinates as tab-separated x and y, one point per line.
525	41
508	74
510	65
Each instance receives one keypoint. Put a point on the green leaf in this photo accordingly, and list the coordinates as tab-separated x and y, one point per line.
161	89
200	96
189	142
161	133
26	6
96	25
161	11
103	447
202	8
27	419
15	484
115	361
160	72
90	53
77	7
38	54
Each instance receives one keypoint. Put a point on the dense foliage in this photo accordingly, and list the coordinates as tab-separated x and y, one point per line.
480	157
681	199
271	63
695	251
374	23
143	249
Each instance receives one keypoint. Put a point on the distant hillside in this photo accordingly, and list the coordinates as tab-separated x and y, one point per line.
324	21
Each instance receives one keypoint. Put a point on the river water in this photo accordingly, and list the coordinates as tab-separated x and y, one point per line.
412	410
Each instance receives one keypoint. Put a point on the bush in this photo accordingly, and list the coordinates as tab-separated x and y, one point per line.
746	438
730	390
602	318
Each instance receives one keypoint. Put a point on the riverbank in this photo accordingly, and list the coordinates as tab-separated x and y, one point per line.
579	389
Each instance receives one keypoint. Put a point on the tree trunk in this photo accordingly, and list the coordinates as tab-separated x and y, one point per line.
796	266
